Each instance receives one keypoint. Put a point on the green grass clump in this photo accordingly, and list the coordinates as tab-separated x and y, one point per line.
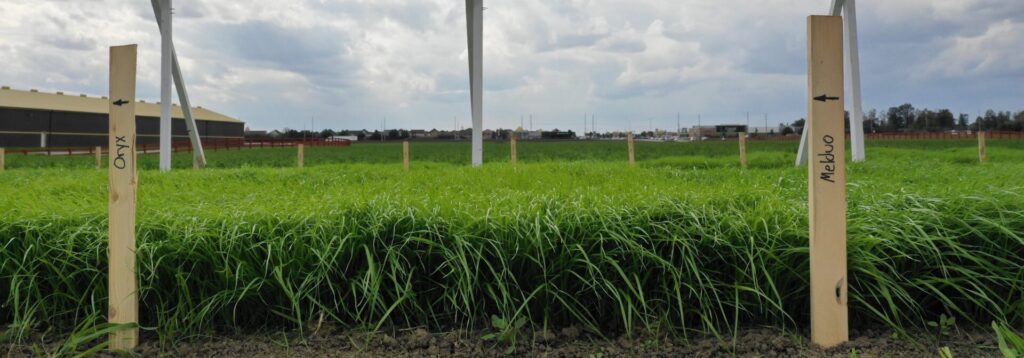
686	242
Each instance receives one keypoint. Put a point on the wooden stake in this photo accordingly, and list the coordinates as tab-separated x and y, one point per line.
743	150
302	156
514	159
123	182
629	143
405	155
99	157
827	181
981	146
3	156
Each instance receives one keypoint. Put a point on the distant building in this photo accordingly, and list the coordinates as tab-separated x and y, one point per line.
337	138
418	133
557	134
764	130
36	119
255	133
730	130
703	131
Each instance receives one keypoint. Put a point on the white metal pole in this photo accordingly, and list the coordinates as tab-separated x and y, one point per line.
198	155
165	86
853	63
801	154
474	23
857	136
584	125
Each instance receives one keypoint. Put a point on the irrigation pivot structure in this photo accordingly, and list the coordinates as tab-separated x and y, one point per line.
165	85
848	8
474	34
160	10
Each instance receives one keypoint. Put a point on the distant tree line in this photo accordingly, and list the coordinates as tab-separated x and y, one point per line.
902	118
906	118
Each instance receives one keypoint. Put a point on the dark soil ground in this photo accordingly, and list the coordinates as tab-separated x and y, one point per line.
566	342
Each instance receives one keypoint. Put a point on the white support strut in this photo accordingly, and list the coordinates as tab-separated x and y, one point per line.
198	154
474	32
165	86
848	8
853	66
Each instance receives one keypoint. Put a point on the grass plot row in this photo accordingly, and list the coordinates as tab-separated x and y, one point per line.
673	247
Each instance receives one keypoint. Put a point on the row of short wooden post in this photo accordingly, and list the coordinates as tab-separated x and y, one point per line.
826	201
629	140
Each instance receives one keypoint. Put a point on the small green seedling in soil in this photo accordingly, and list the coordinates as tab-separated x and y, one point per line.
943	325
945	352
506	331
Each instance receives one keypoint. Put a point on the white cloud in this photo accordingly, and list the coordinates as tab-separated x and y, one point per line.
275	63
997	51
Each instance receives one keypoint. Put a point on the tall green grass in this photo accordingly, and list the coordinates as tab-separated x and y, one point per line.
686	242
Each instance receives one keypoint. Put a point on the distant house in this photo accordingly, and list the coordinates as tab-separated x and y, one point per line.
488	134
275	134
418	133
537	134
255	133
338	138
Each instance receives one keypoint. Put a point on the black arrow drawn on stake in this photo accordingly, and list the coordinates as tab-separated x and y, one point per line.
825	98
120	102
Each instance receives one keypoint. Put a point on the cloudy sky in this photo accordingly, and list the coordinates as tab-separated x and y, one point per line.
631	63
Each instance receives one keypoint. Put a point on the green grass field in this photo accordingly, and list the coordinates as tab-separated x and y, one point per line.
685	242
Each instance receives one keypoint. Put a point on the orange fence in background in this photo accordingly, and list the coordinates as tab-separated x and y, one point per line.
209	145
907	136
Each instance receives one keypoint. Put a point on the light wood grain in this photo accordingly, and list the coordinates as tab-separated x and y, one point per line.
3	158
513	149
743	150
405	155
123	305
99	157
827	182
632	151
982	156
302	156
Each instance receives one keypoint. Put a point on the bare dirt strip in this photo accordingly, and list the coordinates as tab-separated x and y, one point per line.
566	342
